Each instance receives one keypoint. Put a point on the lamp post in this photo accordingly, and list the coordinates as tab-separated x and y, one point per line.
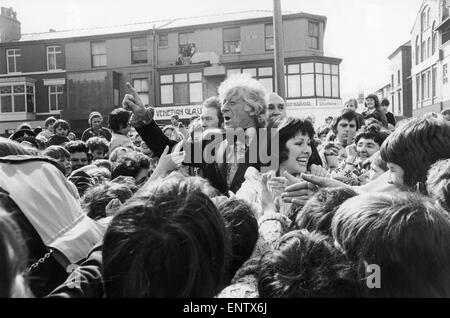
280	87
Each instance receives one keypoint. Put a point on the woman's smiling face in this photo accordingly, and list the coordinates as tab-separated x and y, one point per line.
299	153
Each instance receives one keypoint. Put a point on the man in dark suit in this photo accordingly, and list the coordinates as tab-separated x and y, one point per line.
244	108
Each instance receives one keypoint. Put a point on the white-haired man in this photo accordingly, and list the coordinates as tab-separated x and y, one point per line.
244	107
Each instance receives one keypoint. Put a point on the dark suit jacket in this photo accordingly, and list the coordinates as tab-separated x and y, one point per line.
215	173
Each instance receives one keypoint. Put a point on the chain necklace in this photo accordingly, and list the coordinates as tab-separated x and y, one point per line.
40	261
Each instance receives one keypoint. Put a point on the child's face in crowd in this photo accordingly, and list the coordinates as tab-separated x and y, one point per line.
396	174
98	154
59	131
370	103
366	148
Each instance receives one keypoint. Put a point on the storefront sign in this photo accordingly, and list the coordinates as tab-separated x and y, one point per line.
185	112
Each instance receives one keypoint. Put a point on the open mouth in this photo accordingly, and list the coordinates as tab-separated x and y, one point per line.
303	161
227	118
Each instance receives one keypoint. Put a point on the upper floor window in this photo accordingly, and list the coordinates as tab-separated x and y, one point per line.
434	40
263	74
181	89
55	97
13	61
98	51
392	81
313	35
423	20
163	40
186	45
54	58
232	40
398	77
139	51
445	73
141	86
268	36
417	50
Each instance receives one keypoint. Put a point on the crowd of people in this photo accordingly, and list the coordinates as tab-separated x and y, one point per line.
358	207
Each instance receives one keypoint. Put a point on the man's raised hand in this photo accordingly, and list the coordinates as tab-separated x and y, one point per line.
133	102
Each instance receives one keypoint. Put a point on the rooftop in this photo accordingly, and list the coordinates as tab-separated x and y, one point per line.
160	25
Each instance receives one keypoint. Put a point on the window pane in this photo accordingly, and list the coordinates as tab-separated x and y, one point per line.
53	102
251	71
183	38
11	64
232	34
51	62
181	93
269	44
326	68
163	40
314	43
30	103
319	85
19	103
98	48
139	44
60	101
334	70
294	68
139	57
102	60
307	68
267	83
313	29
232	47
335	85
196	92
294	86
6	102
265	71
233	71
144	98
180	78
194	77
308	85
327	86
5	90
269	30
165	79
18	89
319	68
166	94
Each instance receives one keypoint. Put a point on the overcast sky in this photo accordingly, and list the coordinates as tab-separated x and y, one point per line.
361	32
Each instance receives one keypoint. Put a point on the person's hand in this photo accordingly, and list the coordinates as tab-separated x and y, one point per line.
299	191
351	152
167	163
323	182
267	200
133	102
276	185
129	181
330	149
112	207
319	171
